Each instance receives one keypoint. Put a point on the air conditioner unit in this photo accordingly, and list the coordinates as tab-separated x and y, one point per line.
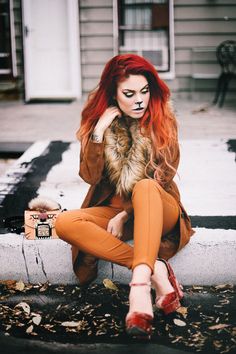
159	58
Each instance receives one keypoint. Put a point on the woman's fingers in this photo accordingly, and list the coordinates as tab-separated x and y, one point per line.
113	231
109	227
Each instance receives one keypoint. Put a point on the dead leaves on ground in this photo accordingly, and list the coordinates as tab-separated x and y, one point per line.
99	312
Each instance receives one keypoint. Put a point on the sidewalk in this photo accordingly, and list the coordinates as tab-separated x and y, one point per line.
206	163
31	122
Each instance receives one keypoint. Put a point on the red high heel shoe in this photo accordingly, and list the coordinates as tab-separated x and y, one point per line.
138	324
170	302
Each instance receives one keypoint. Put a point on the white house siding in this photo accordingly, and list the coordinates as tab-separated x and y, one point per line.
200	23
197	23
96	38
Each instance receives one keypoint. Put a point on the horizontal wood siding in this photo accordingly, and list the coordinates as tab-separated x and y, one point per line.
197	24
96	40
200	26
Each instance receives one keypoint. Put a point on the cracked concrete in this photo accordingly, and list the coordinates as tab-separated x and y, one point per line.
203	261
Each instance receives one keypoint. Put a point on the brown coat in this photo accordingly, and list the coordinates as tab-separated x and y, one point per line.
92	165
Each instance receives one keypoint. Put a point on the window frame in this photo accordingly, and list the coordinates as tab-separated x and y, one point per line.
11	72
171	50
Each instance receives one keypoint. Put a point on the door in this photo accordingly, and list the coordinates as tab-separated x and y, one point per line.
51	49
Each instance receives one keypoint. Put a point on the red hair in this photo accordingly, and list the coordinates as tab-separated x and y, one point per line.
159	121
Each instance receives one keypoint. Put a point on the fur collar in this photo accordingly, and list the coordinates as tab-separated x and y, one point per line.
127	153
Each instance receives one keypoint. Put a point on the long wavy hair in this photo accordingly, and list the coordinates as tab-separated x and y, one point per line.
158	122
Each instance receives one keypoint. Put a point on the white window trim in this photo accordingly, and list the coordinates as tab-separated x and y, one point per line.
13	40
170	75
13	69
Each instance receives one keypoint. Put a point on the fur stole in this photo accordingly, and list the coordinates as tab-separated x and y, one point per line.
43	204
127	153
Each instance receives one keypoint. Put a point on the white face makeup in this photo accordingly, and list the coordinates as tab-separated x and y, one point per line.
133	96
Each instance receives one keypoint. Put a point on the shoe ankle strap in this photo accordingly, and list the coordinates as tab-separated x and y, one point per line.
167	264
140	284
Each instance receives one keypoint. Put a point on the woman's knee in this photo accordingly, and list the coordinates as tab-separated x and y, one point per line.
146	185
61	222
65	220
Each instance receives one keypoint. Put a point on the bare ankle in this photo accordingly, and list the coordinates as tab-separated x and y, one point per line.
141	274
160	279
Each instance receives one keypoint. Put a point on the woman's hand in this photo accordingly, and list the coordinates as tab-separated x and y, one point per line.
116	224
106	119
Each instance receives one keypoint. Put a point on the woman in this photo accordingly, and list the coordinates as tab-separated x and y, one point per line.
129	156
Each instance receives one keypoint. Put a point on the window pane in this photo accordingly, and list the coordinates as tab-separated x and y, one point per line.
5	46
138	17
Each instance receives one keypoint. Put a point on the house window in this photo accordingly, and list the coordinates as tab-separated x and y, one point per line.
7	40
146	28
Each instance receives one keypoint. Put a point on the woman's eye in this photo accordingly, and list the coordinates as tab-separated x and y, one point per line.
145	91
128	94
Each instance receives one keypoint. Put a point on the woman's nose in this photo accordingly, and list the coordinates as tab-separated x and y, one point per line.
138	99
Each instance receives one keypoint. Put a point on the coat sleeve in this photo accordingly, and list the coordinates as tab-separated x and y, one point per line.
174	162
92	162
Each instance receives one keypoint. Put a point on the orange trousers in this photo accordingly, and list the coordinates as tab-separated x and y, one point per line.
156	213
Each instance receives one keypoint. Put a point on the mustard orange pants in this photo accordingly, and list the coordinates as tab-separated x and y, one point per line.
156	213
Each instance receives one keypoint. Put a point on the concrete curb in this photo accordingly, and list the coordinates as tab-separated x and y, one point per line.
208	259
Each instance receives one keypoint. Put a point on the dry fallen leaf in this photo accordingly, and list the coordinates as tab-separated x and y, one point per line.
20	285
30	329
177	339
70	324
217	344
219	326
37	319
183	311
224	301
43	288
9	283
179	322
196	287
223	286
109	284
24	306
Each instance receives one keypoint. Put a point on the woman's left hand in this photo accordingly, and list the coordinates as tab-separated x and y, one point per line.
116	224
